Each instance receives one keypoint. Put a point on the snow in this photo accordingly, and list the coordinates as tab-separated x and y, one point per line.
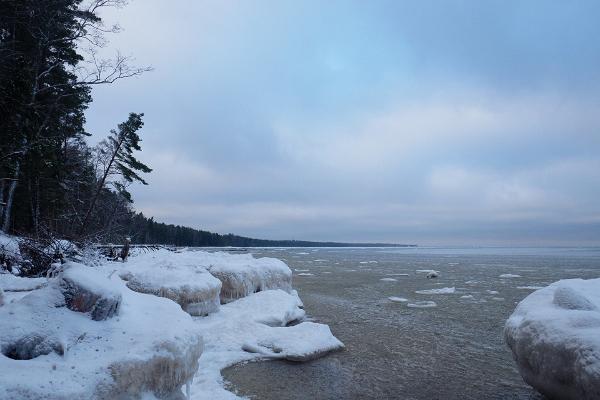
397	299
445	290
11	283
76	357
510	276
176	276
554	334
147	346
388	280
422	304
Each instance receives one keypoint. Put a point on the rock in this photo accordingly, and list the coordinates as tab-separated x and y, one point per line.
87	291
31	346
554	335
242	274
176	278
432	274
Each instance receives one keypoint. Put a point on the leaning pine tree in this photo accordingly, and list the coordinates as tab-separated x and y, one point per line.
116	162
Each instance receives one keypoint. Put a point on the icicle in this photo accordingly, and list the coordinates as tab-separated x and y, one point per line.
188	389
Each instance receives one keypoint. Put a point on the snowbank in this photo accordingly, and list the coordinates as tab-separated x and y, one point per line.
554	334
242	274
52	352
176	276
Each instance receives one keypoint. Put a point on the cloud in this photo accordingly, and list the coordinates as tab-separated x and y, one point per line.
398	121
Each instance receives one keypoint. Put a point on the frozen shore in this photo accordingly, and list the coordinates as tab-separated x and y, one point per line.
153	327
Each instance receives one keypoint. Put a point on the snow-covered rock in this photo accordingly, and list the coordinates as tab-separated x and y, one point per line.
176	276
86	290
9	250
554	334
51	352
242	274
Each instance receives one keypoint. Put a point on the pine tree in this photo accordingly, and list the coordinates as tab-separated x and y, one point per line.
116	161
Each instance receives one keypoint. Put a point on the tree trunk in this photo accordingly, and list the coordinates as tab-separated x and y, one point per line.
9	200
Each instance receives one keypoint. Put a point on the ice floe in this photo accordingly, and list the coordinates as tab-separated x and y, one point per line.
445	290
509	276
388	280
397	299
422	304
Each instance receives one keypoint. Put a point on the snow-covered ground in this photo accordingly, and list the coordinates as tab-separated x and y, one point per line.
119	330
554	334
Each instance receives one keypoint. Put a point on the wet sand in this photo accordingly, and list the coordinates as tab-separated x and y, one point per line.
452	351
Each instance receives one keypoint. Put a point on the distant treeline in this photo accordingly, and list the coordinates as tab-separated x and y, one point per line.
145	230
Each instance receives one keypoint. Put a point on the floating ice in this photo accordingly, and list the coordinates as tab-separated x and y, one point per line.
422	304
510	276
398	299
389	280
305	274
530	287
445	290
554	334
467	297
492	291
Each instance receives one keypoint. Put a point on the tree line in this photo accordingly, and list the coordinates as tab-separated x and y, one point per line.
52	182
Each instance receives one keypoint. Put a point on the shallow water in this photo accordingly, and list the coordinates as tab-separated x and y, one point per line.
452	351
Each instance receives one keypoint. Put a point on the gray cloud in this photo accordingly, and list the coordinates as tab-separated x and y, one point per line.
429	122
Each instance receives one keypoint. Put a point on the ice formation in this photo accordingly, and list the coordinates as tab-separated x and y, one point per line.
176	276
446	290
429	273
388	280
52	352
554	334
242	274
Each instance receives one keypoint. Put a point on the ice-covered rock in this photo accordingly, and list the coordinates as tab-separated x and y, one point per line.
50	352
554	334
242	274
86	290
302	342
175	276
429	273
256	327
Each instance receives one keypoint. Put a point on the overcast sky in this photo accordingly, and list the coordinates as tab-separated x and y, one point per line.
429	122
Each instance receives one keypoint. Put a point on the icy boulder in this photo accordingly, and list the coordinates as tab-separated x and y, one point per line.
177	277
554	334
52	352
88	291
242	274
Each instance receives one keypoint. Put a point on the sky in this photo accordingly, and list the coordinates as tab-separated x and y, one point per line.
426	122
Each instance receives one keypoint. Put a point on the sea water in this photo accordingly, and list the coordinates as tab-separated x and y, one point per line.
452	348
